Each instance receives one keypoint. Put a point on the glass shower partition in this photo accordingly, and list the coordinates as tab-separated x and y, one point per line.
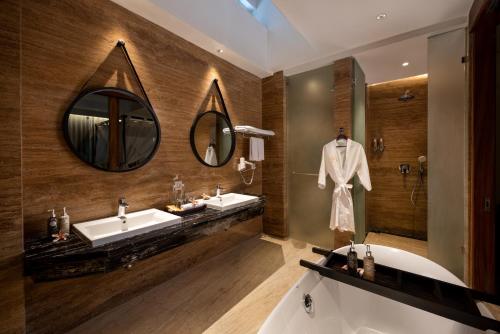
310	126
358	135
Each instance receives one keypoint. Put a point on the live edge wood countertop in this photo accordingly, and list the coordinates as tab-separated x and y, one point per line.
46	260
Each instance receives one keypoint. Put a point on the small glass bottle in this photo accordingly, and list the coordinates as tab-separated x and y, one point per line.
52	227
352	260
369	265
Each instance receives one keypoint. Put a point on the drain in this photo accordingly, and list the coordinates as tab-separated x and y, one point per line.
308	303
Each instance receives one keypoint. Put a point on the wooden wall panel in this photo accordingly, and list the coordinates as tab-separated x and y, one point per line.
10	133
343	99
64	44
11	235
343	95
274	166
403	126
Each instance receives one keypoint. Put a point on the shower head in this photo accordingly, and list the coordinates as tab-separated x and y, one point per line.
422	159
406	96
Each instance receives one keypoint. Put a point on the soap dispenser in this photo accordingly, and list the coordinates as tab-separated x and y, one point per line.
64	222
352	260
369	265
52	227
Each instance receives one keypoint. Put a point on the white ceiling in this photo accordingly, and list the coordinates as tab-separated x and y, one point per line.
297	35
385	63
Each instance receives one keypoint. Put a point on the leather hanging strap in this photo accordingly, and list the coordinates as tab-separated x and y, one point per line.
121	44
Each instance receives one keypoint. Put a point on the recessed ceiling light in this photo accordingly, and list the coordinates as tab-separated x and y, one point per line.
381	16
220	50
405	64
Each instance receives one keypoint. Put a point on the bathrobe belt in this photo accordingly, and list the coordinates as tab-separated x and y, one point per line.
342	187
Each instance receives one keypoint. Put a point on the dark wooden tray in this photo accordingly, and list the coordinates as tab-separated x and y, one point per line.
444	299
188	211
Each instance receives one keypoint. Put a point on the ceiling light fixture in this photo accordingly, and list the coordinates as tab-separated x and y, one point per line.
405	64
220	50
381	16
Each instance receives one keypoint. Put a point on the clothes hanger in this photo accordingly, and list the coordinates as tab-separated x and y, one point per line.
342	136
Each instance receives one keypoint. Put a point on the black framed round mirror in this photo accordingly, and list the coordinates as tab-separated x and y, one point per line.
212	138
112	129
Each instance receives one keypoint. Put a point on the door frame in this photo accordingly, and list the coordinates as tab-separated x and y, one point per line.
483	19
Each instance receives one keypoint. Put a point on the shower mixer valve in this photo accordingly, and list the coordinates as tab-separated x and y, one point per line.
404	168
378	145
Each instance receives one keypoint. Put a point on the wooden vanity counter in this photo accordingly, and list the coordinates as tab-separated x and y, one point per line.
47	261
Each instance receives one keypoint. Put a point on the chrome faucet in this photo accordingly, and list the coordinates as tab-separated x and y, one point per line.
218	190
122	205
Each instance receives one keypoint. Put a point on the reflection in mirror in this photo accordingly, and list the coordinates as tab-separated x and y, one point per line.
112	129
212	139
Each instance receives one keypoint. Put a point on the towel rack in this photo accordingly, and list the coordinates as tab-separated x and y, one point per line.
306	174
250	131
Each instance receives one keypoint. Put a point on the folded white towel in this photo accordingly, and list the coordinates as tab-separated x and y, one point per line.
256	149
210	156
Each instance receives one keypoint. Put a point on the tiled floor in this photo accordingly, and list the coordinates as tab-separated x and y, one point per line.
415	246
231	293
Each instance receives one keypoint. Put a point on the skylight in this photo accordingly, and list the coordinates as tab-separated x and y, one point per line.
250	5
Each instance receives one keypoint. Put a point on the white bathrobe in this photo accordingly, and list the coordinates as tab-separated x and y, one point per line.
341	163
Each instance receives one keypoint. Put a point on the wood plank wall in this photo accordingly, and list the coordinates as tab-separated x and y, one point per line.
60	55
11	235
64	43
403	126
343	95
343	99
274	166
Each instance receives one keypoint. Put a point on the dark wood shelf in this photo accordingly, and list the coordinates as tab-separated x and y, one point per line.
45	260
444	299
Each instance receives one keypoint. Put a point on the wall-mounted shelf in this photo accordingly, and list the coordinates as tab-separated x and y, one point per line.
444	299
250	131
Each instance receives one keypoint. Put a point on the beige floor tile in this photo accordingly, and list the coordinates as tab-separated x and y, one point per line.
231	293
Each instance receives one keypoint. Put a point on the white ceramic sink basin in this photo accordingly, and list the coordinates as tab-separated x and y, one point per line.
230	201
106	230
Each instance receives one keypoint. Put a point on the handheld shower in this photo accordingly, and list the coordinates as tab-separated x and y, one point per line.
420	181
421	159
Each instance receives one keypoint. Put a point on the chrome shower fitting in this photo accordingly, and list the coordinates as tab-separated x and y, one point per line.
420	181
404	169
406	96
378	145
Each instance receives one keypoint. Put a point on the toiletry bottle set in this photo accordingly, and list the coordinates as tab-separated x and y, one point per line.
368	263
55	226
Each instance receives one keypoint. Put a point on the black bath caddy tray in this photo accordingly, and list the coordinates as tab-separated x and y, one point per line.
444	299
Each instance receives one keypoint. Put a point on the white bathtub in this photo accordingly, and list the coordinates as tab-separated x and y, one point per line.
343	309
